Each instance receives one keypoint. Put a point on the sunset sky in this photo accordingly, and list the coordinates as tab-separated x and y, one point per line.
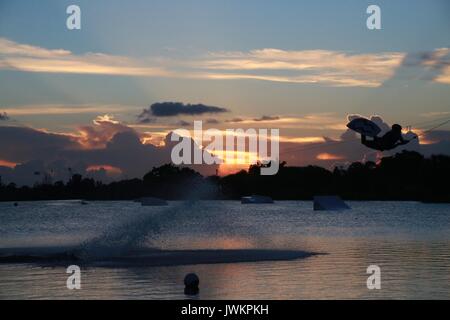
82	98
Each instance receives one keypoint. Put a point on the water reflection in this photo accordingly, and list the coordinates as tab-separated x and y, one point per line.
409	241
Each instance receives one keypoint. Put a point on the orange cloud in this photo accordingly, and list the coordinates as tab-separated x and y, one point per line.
9	164
98	135
60	109
444	77
110	170
227	168
23	57
326	67
329	156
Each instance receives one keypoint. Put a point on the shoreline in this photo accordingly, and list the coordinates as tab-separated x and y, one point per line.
237	199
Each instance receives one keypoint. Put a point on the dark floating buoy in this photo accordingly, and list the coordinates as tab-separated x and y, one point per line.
16	204
191	283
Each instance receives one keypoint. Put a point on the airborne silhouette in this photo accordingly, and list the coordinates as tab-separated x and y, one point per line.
391	140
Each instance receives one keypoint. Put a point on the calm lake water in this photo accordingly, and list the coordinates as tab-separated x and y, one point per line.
409	241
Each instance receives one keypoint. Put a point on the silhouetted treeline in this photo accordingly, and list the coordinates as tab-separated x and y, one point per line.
167	182
405	176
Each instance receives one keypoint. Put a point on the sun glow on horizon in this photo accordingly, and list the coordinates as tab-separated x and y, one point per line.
9	164
110	170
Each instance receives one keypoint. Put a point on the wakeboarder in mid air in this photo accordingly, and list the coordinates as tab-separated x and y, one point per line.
390	140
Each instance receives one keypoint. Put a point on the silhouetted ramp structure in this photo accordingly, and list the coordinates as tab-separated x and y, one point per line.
150	201
329	203
256	199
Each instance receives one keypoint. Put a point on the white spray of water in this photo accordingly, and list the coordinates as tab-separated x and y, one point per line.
135	235
130	236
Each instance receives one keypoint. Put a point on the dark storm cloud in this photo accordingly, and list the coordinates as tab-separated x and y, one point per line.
172	109
38	151
19	144
124	151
